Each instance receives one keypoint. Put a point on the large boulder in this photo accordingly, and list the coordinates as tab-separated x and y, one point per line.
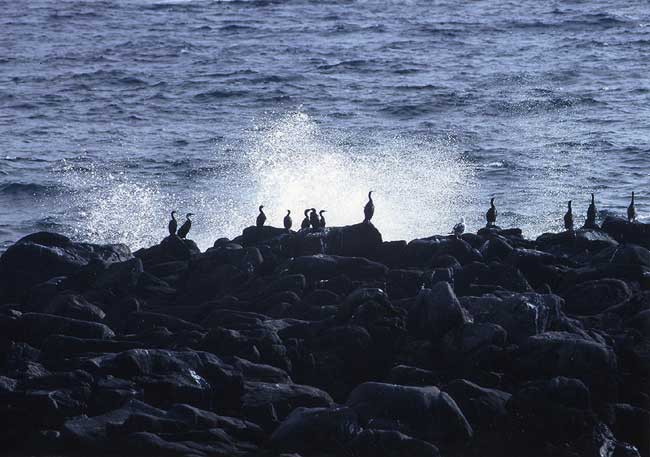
436	311
197	378
267	404
556	410
521	315
390	443
484	408
628	232
593	297
35	328
170	249
316	429
318	267
423	412
567	354
38	257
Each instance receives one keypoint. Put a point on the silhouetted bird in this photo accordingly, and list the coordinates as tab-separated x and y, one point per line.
491	215
173	224
568	218
288	222
305	221
187	225
261	217
459	228
631	210
369	209
591	213
313	219
322	218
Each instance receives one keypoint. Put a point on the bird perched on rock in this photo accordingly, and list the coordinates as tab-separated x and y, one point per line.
305	221
369	209
322	218
313	219
288	222
261	217
173	224
568	218
459	228
187	225
491	215
591	213
631	210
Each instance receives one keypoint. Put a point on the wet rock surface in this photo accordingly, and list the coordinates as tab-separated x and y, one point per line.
329	342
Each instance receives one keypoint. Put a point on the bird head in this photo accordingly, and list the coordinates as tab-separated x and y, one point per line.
261	206
322	211
306	211
174	213
370	194
492	201
569	204
189	215
288	212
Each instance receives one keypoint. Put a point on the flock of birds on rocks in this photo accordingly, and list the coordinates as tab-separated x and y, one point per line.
315	220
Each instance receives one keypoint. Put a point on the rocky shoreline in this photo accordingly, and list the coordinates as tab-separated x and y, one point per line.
329	342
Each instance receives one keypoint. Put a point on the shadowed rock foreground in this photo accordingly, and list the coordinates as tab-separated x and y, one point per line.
330	342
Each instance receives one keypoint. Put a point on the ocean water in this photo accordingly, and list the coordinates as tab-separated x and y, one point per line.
113	113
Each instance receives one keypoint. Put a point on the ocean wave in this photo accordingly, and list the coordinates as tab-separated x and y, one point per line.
217	94
24	189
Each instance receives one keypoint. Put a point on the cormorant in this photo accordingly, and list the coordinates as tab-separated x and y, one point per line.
305	221
591	213
173	224
568	218
313	219
631	210
185	228
261	217
369	209
459	228
322	218
491	214
288	222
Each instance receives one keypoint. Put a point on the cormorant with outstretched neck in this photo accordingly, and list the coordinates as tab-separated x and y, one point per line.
491	215
568	218
313	219
631	210
173	224
322	218
185	228
369	209
305	221
591	213
261	217
288	222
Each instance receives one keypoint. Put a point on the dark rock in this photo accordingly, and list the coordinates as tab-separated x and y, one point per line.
359	240
261	373
404	283
628	232
470	337
493	274
71	305
630	424
316	430
422	412
143	320
412	376
496	248
600	442
566	354
521	315
168	377
436	311
390	443
329	266
484	408
593	297
41	256
556	410
34	328
170	249
267	404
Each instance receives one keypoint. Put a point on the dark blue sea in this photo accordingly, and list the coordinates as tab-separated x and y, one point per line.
113	113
